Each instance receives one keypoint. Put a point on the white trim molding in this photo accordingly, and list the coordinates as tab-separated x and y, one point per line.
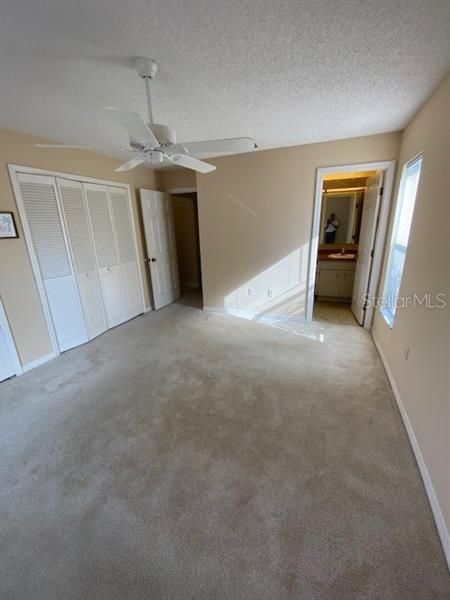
15	168
388	166
182	190
426	478
39	361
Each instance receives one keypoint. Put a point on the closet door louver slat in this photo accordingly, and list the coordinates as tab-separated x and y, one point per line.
79	234
127	255
119	201
40	203
45	225
113	289
101	227
77	226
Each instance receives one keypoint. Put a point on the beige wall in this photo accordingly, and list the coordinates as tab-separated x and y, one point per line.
17	287
185	223
423	380
172	179
255	215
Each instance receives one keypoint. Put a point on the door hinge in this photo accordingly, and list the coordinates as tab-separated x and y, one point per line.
371	253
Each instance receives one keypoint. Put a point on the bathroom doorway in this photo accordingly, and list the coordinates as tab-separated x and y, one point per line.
349	229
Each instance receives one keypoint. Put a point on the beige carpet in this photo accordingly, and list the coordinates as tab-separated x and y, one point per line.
334	313
202	457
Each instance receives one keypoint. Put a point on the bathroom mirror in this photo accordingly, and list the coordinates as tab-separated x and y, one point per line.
341	217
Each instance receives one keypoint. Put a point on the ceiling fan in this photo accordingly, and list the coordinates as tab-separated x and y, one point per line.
154	144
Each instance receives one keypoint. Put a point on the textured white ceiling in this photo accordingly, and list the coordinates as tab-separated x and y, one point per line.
283	72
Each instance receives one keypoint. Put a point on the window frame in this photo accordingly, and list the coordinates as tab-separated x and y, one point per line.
393	246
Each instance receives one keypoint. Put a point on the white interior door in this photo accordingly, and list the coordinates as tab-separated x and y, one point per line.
81	245
8	354
120	208
161	249
6	364
39	198
366	244
106	253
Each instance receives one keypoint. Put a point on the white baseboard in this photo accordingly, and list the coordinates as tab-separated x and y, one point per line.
39	361
252	315
147	309
432	498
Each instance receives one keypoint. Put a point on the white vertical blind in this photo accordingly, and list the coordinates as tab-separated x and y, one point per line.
400	236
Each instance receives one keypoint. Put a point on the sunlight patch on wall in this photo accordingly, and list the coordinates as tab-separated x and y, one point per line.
278	291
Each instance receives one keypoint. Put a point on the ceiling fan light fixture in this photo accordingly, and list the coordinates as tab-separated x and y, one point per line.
165	134
157	158
154	143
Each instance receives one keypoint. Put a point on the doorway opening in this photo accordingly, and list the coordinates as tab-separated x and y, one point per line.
349	229
186	227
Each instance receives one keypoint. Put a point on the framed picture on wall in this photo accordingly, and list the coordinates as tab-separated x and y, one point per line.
7	225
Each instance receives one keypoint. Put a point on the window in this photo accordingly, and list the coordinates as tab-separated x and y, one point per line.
400	236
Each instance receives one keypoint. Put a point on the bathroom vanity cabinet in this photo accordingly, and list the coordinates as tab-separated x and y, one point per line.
335	280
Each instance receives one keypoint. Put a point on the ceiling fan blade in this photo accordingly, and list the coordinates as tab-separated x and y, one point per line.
67	146
133	123
132	163
220	146
79	147
190	162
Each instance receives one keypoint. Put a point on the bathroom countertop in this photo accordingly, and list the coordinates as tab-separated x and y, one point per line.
325	255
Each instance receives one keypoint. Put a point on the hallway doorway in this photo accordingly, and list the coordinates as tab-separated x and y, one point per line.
185	220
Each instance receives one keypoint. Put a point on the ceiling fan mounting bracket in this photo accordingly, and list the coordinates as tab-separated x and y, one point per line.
145	67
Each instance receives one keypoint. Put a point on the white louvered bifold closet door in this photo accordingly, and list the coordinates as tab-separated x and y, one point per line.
107	253
81	245
39	198
120	209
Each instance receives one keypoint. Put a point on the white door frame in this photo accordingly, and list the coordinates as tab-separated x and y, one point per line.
181	190
12	350
14	171
388	166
